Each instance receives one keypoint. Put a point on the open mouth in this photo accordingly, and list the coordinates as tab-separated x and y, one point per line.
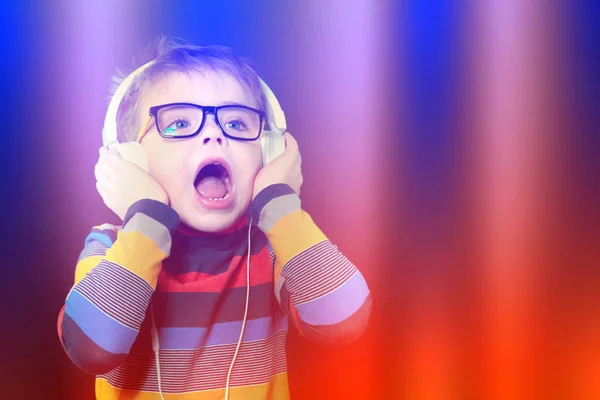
213	182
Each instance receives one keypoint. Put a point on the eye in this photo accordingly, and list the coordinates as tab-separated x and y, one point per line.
237	125
180	124
175	126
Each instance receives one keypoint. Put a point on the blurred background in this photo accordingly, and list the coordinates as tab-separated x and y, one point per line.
450	150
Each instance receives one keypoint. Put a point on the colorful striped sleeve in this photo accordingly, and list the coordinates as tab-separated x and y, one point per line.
322	292
115	278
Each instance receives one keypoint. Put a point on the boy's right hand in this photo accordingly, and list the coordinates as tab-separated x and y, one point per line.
122	183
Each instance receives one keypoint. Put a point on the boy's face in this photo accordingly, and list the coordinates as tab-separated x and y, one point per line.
176	163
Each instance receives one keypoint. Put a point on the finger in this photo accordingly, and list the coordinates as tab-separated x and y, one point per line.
300	184
108	186
290	142
114	157
98	173
103	154
295	161
108	191
106	173
100	190
104	170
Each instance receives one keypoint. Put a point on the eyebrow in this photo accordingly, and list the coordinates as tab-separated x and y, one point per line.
234	103
219	104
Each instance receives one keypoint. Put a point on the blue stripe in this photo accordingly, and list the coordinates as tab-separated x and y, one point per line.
86	354
336	306
100	237
106	332
220	333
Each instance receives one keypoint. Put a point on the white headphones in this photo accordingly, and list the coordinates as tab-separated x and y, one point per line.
272	141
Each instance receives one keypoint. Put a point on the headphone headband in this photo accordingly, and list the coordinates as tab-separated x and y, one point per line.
275	114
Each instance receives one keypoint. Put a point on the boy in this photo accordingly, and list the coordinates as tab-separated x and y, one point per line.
159	303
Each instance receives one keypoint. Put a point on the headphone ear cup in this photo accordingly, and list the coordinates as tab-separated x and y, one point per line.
272	144
133	152
272	141
109	129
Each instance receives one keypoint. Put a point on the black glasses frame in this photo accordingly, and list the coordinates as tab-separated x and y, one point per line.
207	110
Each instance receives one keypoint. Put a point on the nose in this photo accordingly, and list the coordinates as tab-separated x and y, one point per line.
211	131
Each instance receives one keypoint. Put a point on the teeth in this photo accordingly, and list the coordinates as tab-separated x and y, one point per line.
220	198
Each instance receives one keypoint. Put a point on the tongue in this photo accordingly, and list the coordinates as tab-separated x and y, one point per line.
212	187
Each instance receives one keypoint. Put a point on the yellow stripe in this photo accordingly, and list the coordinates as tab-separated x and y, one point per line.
276	388
278	268
85	266
137	253
292	234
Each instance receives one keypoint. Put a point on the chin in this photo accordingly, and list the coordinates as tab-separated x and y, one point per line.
211	222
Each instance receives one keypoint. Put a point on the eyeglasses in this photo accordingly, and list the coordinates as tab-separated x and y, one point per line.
184	120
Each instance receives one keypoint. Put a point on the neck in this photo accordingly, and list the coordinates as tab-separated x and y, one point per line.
189	231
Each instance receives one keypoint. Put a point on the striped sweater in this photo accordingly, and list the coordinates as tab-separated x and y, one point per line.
196	286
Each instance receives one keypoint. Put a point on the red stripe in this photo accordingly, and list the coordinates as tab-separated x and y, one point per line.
261	271
316	271
59	325
204	369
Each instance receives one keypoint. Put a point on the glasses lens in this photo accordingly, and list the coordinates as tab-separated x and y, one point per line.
239	122
177	121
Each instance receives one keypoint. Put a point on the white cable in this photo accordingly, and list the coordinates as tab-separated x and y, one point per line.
154	331
245	314
156	348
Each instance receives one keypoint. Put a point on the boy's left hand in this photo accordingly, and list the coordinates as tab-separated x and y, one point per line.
286	168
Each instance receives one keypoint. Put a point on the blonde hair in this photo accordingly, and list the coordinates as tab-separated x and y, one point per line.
170	55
